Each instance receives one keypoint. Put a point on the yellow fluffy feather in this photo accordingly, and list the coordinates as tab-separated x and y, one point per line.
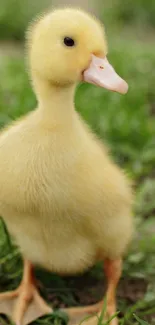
63	199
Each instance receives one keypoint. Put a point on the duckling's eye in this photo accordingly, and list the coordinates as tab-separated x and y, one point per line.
69	41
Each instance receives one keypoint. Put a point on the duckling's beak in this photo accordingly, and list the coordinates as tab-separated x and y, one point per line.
101	73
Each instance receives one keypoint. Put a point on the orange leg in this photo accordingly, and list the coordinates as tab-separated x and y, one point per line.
113	270
25	293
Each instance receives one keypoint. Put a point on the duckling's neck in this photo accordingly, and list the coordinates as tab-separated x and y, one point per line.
56	103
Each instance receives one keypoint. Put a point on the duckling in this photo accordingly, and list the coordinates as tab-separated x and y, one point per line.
62	198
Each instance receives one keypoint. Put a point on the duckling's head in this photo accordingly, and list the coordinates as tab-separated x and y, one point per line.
69	45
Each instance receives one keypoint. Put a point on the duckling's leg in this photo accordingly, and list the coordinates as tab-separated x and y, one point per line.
26	292
113	270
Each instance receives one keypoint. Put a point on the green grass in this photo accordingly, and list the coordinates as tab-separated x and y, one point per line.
127	125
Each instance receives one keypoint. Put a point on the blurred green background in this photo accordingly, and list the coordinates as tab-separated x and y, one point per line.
125	123
15	14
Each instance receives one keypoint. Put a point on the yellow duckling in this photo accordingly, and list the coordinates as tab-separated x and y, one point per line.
62	198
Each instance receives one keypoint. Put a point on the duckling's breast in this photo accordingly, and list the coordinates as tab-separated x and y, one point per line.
61	198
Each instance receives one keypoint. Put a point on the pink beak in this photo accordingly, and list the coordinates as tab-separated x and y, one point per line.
101	73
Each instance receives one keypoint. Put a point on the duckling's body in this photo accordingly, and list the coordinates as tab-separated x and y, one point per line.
64	201
63	195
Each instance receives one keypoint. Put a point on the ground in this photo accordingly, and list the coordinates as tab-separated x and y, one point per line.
127	125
